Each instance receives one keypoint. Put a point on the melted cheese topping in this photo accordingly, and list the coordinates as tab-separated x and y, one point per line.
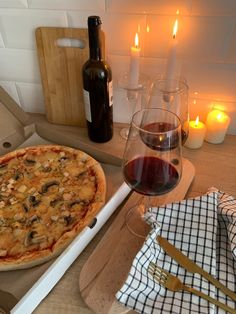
42	196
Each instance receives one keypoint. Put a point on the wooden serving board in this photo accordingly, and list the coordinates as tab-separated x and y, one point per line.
107	268
61	65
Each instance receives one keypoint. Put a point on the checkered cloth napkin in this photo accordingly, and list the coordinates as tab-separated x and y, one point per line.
204	229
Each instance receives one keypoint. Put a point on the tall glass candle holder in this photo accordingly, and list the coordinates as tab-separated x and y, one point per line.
136	95
172	95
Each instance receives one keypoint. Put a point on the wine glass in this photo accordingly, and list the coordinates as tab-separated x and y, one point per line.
171	94
152	161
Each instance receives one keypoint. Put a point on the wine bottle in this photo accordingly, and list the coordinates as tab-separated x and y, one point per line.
97	87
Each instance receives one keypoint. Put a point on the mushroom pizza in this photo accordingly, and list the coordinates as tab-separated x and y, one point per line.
48	194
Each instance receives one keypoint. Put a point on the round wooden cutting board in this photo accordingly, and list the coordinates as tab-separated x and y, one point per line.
107	268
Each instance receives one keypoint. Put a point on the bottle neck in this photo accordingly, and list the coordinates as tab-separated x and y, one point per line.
95	43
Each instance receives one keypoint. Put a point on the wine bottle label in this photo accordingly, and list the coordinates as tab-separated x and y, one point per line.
87	106
110	90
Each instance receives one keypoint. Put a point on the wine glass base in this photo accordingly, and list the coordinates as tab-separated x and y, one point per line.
135	222
124	133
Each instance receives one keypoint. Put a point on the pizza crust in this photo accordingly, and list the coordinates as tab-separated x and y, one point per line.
93	171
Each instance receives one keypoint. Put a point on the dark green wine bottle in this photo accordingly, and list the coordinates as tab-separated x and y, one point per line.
97	87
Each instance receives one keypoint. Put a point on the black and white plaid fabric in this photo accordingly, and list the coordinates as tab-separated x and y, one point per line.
204	229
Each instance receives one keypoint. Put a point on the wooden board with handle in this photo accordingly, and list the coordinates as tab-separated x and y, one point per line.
61	54
107	268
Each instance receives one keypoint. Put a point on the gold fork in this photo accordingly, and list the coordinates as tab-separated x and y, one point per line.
173	283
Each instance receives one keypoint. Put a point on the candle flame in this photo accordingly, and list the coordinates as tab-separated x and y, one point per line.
197	121
175	28
148	28
219	116
136	40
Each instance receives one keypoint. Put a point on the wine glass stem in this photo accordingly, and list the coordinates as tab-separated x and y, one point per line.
149	202
146	204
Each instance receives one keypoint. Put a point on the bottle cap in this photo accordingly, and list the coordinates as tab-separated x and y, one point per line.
94	21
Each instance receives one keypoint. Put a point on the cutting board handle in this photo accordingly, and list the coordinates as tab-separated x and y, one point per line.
70	42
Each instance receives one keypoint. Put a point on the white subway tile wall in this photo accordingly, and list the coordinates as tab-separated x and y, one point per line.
214	7
19	65
1	42
149	6
31	96
68	4
13	4
17	26
206	46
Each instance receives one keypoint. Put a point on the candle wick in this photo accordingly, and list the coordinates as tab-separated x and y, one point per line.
174	36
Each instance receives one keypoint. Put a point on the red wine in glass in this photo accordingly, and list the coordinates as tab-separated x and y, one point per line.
149	175
152	162
156	136
172	94
184	135
158	143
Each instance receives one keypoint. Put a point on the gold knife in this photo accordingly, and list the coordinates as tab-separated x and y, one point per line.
190	266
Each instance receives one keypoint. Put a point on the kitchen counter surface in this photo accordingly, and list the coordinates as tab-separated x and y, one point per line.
215	166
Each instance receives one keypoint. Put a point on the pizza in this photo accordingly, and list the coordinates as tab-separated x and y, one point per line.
48	194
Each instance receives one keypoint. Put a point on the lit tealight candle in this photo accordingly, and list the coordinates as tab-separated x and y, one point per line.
196	135
134	62
217	124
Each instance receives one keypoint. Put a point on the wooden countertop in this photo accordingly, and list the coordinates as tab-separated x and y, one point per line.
215	166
